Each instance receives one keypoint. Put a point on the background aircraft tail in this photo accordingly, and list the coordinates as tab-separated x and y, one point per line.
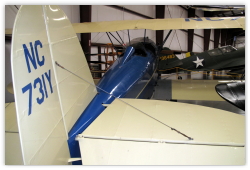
168	61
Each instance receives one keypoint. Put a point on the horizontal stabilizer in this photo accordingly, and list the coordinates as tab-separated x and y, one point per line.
153	132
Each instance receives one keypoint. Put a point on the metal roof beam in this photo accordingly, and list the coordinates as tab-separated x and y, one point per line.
85	16
191	14
159	13
129	11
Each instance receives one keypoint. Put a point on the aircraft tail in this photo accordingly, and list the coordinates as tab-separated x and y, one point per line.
48	99
188	54
168	62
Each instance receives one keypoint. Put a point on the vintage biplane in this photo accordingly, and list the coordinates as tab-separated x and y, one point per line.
223	58
63	117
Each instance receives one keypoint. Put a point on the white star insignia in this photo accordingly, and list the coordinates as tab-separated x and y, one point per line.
198	62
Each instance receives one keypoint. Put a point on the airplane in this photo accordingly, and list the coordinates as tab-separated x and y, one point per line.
218	7
222	58
61	114
233	92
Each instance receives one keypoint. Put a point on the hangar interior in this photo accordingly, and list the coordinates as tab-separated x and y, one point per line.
182	41
194	87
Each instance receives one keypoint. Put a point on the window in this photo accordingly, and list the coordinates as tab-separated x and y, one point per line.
214	52
227	49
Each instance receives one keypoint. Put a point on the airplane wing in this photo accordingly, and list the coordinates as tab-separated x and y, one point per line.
158	24
161	24
153	132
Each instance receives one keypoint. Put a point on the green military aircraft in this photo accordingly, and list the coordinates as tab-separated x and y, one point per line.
223	58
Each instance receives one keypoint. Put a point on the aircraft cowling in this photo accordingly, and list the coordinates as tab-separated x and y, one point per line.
234	93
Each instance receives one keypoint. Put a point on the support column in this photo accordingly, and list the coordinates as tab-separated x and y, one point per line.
230	37
85	16
207	33
160	11
99	59
216	38
191	14
223	37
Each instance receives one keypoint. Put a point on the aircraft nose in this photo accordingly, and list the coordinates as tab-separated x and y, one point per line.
233	93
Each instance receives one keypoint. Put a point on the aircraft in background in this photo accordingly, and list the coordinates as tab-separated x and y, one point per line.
218	7
56	100
233	92
223	58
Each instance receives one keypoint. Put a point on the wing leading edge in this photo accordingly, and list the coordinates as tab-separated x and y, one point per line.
161	24
158	24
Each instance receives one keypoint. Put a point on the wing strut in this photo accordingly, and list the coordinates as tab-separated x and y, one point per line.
110	39
115	38
112	43
128	37
144	35
120	38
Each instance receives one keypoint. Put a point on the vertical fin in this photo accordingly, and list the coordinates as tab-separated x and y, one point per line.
48	99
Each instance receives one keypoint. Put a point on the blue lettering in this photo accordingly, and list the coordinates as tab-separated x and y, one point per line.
38	81
29	57
49	80
42	89
196	19
45	89
38	42
24	89
209	19
235	18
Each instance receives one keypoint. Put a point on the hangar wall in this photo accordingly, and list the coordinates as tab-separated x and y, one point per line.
176	41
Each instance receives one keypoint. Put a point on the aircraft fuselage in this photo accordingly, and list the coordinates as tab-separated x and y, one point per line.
223	58
131	76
